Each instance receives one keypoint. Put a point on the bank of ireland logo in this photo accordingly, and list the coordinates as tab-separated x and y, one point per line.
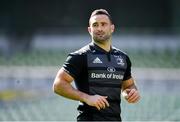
119	60
111	69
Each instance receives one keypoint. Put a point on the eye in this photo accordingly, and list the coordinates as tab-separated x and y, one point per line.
103	24
95	25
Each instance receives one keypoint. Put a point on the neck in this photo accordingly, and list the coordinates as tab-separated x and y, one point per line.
106	45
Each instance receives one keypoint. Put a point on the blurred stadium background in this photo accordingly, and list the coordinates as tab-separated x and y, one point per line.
36	36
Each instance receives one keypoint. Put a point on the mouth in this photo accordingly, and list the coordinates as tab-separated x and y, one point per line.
99	34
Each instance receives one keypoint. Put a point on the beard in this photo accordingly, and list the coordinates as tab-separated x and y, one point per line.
101	38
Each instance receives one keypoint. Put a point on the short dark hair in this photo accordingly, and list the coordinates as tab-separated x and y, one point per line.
100	12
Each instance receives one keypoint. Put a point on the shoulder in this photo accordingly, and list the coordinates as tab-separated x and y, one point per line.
118	51
122	56
78	57
121	53
82	51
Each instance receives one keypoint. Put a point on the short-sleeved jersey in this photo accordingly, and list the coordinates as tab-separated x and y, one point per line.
96	71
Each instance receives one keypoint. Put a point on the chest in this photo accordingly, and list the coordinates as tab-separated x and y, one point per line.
106	66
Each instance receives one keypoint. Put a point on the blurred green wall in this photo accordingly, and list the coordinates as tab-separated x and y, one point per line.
18	15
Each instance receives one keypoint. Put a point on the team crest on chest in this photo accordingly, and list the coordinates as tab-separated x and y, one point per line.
119	60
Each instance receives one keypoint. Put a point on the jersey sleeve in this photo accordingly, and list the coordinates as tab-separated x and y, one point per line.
73	65
127	74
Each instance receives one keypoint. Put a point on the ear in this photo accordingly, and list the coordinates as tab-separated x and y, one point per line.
112	28
89	30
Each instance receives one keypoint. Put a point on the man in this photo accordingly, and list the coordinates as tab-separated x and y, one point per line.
100	73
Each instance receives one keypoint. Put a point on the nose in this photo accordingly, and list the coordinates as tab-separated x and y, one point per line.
99	28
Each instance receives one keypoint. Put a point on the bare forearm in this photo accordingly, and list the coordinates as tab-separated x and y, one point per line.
129	84
133	86
62	86
130	91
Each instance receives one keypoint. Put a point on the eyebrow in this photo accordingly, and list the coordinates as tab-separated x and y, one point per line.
99	22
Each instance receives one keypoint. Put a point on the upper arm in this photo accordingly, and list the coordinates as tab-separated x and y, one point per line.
62	76
70	71
127	74
128	81
74	65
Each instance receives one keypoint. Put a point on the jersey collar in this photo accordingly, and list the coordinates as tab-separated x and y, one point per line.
98	48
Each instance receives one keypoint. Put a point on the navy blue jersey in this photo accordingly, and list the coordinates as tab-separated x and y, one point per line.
96	71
